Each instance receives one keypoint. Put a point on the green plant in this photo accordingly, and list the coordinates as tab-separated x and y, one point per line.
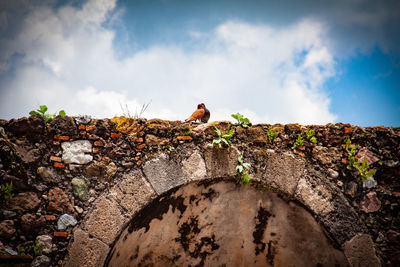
241	120
242	170
361	166
310	134
47	117
38	249
6	190
299	142
223	139
272	135
188	132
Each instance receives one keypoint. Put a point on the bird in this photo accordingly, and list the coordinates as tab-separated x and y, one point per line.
197	115
206	116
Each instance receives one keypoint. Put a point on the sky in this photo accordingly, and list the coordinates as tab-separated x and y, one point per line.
288	61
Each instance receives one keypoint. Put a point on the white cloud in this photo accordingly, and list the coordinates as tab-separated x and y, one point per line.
270	74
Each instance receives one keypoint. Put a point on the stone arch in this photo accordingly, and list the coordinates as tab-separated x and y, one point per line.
282	172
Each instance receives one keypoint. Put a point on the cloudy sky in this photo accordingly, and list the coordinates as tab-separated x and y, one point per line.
311	62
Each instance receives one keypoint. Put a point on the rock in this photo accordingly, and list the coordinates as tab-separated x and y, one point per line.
30	222
152	140
194	167
85	119
59	201
10	251
201	129
102	169
41	261
163	173
9	214
370	182
7	228
78	209
360	251
74	152
46	242
28	154
24	201
364	153
351	189
66	220
34	125
326	155
391	163
393	236
48	175
333	174
370	203
63	126
80	188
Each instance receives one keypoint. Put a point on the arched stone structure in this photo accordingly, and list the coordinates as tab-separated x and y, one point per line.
284	173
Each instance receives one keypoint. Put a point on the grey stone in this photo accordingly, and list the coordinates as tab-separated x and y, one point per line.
41	261
194	168
105	220
132	192
85	119
370	183
333	174
66	220
74	152
46	242
364	153
48	175
163	173
221	162
360	251
86	251
284	171
10	251
80	188
370	203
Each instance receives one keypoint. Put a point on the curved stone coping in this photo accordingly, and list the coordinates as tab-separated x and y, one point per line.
284	172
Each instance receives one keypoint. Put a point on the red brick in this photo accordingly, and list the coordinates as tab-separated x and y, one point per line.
82	127
348	129
50	217
115	135
90	128
60	234
98	143
184	138
54	158
59	165
139	163
82	133
141	146
61	137
95	150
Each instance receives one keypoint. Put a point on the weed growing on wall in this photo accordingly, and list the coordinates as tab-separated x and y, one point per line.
241	120
47	117
242	170
272	135
6	190
223	140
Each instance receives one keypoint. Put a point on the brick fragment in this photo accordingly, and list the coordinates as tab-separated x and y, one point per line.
60	234
95	150
50	217
54	158
98	143
348	129
91	128
115	135
141	146
184	138
82	133
139	163
82	127
345	161
59	165
61	137
56	143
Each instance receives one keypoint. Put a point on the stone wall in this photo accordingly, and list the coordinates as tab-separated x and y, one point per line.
77	183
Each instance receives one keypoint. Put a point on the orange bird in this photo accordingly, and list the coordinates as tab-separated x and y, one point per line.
197	115
206	116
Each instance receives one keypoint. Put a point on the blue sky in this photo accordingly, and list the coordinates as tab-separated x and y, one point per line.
311	62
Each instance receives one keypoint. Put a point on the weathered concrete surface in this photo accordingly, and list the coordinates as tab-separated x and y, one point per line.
105	221
86	251
223	224
221	162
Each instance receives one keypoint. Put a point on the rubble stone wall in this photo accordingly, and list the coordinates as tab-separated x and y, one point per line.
78	183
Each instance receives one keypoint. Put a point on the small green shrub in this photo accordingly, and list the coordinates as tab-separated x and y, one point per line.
242	170
299	141
272	135
6	190
361	166
310	134
47	117
241	120
351	153
223	140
